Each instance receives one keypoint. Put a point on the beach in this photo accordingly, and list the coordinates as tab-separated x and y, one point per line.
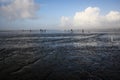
59	56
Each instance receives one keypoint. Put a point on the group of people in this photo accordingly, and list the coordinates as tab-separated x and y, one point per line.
71	30
41	30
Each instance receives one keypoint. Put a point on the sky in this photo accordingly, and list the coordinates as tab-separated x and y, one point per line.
59	14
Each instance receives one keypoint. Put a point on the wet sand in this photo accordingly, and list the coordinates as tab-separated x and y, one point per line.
59	56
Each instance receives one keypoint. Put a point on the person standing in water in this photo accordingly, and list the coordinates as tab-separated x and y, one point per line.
71	30
83	31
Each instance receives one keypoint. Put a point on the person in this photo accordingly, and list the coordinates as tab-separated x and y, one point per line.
71	30
82	30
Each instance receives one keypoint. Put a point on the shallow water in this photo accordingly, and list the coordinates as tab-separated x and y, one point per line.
59	56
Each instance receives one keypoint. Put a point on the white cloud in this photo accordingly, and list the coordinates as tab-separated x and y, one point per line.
91	18
113	16
65	21
18	9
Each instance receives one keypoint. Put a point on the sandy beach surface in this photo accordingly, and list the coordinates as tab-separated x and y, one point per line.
59	56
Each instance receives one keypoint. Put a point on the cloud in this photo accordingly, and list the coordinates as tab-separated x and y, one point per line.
18	9
65	21
91	18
